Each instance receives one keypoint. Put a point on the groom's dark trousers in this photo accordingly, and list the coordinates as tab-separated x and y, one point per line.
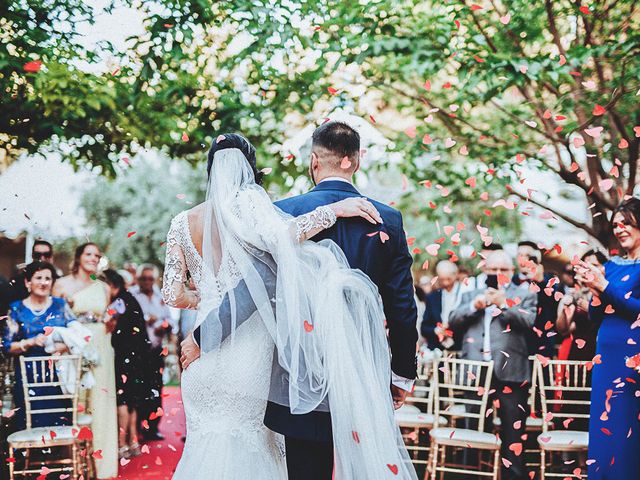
309	445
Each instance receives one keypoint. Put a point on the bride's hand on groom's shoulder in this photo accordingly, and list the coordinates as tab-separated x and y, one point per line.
356	207
190	351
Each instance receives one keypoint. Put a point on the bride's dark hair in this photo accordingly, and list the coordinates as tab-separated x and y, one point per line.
233	140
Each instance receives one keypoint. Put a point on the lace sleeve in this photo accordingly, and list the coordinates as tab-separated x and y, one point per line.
255	209
311	223
174	290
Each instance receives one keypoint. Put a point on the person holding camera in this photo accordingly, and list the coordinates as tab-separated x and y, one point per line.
573	314
543	337
494	323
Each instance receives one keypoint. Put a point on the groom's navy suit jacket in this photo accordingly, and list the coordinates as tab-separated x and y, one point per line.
387	264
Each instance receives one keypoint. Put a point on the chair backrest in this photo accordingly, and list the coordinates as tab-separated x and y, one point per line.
43	385
463	383
565	389
423	391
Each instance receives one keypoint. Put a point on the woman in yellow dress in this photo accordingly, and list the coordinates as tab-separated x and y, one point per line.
89	298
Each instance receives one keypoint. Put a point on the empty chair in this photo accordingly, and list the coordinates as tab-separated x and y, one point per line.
462	393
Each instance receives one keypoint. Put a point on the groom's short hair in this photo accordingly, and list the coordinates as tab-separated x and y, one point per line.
336	138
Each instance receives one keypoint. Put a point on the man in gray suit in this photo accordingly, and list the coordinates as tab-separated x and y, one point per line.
494	323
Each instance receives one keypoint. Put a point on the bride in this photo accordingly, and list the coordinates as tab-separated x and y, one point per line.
258	285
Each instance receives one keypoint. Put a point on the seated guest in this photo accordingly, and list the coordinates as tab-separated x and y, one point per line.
438	305
24	334
132	351
494	323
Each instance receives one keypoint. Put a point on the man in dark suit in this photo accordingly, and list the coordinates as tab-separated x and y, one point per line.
438	305
495	323
387	262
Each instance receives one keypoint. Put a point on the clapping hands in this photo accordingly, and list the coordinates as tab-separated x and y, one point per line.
591	277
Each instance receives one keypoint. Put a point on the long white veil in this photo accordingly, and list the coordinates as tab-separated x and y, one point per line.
326	320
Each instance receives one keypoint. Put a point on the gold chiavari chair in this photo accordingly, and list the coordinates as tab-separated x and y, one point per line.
463	383
415	418
37	373
565	388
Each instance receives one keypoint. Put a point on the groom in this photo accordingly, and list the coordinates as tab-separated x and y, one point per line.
384	257
381	253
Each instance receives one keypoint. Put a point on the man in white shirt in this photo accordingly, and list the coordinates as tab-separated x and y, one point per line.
159	325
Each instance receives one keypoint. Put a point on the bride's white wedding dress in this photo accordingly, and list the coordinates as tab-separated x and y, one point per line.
262	286
224	397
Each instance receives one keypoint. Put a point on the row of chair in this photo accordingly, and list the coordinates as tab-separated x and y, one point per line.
447	412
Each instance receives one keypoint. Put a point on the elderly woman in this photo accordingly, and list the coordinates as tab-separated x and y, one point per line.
24	334
614	427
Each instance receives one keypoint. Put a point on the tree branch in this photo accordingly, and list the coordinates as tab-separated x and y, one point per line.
566	218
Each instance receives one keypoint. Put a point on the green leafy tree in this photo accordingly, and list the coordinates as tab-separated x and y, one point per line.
129	216
472	92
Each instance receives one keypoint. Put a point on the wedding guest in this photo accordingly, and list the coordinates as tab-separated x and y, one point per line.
89	298
127	277
132	268
438	305
159	325
573	315
567	278
479	281
24	335
614	428
41	250
132	352
463	274
544	336
492	329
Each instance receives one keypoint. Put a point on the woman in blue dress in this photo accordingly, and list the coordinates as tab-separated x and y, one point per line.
614	426
24	334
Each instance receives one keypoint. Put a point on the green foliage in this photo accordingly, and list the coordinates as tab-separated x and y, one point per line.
474	73
142	199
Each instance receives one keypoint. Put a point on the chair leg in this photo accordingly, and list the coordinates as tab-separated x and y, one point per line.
496	464
543	465
74	459
443	458
434	450
11	464
427	470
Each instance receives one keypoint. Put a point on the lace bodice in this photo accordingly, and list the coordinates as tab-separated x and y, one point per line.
182	258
